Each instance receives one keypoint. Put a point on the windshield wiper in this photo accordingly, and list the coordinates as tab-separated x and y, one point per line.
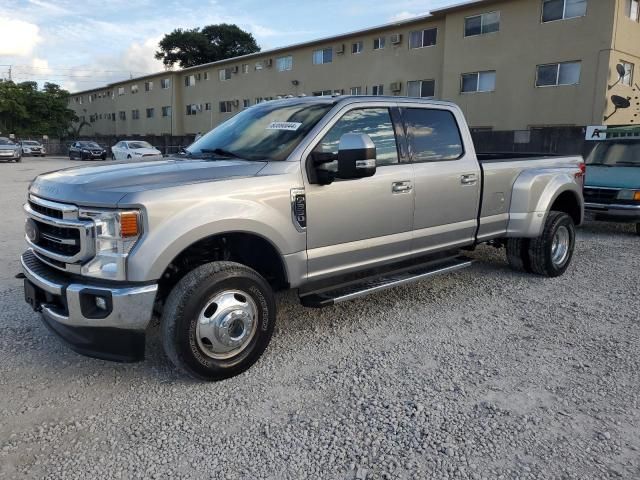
220	151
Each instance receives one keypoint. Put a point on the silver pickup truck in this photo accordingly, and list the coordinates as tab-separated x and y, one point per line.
336	197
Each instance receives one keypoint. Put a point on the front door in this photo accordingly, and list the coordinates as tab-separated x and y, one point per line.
355	224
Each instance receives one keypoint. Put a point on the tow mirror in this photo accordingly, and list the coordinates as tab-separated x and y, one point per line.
356	156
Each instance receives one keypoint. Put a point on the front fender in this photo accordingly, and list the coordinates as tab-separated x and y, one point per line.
534	193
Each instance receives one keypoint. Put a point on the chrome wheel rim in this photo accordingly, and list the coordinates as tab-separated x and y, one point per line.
560	246
227	324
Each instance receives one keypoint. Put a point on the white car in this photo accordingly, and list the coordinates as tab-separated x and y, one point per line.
128	150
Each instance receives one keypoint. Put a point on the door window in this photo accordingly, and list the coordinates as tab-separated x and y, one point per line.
375	122
433	135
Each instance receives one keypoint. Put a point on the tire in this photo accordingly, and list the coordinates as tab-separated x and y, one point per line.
103	157
113	157
518	254
637	228
188	342
544	259
19	159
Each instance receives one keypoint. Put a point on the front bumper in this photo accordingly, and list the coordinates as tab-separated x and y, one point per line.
68	308
613	212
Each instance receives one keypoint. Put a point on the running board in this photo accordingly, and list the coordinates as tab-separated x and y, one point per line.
331	296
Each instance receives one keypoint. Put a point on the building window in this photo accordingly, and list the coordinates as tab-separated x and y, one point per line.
377	90
378	43
135	114
120	93
246	103
166	111
478	82
481	24
284	64
245	68
192	109
423	38
356	47
324	55
148	86
554	74
356	91
633	10
421	88
225	107
627	79
207	106
224	74
165	83
150	112
259	66
134	88
553	10
122	115
189	80
322	93
206	75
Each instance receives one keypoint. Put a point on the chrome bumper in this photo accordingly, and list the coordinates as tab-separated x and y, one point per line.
613	211
129	308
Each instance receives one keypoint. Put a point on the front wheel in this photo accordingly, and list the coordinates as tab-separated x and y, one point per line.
218	320
551	253
19	159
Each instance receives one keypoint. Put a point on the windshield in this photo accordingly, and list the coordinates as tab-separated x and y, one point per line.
6	141
30	143
616	154
268	131
137	145
90	144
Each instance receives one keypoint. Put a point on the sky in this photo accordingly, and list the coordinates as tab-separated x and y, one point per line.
82	44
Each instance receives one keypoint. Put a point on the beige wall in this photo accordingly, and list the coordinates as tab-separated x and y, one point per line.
523	42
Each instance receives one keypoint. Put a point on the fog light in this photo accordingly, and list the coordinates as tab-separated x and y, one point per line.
101	303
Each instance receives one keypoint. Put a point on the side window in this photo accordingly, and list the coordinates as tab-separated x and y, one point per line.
375	122
433	135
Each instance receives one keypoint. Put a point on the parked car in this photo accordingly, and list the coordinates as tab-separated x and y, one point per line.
87	150
127	150
612	184
336	197
9	150
33	147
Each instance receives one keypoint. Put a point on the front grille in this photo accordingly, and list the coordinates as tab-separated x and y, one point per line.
60	240
600	195
49	212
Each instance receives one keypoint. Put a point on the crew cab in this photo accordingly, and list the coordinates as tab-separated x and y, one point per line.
335	197
612	182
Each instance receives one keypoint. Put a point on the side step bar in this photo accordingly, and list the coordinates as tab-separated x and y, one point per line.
360	288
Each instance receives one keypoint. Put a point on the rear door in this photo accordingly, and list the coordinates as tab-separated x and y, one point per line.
447	178
355	224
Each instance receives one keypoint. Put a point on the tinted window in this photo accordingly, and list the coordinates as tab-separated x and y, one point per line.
375	122
433	135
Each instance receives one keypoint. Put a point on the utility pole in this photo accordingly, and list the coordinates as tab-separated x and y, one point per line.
9	72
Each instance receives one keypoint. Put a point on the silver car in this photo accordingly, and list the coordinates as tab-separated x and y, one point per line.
9	150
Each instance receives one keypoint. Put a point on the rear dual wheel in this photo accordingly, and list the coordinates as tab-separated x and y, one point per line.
548	255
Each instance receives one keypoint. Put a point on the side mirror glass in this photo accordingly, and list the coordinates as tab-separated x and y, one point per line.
356	156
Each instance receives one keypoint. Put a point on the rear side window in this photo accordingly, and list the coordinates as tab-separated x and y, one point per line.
433	135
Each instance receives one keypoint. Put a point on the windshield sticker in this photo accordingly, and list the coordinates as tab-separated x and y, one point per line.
292	126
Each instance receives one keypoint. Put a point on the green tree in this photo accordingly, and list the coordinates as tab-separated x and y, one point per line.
193	47
26	110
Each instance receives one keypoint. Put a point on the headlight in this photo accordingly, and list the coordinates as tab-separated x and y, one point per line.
116	234
629	195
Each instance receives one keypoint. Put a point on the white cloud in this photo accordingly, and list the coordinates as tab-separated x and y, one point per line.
41	65
17	37
400	16
139	57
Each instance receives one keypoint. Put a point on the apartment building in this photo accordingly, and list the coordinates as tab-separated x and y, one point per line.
509	64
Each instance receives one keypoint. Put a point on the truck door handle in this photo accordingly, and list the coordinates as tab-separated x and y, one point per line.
401	187
469	179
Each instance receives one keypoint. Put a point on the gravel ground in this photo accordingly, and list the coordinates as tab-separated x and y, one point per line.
485	374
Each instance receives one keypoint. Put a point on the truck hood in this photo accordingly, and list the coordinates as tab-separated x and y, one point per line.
8	147
613	177
105	185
